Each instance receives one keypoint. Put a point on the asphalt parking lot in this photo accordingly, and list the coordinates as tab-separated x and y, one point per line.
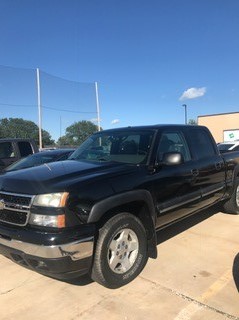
196	276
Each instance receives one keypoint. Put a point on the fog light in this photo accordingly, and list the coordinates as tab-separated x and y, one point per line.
57	221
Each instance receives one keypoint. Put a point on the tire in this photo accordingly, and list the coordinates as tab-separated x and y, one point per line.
232	205
121	251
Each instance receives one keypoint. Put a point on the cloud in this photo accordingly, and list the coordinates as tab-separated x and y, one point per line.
95	120
193	93
115	121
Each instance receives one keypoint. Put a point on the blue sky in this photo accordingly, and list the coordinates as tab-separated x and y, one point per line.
148	56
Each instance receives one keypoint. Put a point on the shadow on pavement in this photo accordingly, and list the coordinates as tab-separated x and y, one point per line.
184	224
235	271
80	281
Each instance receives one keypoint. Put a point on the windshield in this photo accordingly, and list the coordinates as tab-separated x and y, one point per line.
126	147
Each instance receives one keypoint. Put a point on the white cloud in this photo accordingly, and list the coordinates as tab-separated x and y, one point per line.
193	93
95	120
115	121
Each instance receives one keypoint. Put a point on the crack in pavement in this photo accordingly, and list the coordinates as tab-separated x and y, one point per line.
17	287
79	314
192	300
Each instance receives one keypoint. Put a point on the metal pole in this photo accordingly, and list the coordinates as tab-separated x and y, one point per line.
39	108
185	113
97	105
60	126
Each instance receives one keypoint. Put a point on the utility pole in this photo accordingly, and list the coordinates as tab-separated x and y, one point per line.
97	105
185	113
39	108
60	126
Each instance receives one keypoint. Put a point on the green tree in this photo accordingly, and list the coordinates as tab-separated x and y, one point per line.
77	133
192	122
20	128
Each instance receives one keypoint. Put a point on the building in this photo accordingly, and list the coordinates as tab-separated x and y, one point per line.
223	126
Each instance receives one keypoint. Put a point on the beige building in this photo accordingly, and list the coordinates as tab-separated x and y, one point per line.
223	126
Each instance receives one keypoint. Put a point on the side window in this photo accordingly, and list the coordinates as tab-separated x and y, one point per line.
25	148
173	142
6	150
202	143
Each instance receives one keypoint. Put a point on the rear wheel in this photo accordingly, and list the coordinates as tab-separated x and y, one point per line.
232	205
121	251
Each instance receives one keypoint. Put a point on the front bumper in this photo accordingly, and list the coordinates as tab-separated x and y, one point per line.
62	261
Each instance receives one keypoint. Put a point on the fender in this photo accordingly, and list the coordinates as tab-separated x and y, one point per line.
232	184
235	175
99	209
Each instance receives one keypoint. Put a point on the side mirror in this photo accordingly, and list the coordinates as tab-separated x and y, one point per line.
172	158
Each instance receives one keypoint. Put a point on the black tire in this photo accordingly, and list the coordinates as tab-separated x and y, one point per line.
232	205
121	251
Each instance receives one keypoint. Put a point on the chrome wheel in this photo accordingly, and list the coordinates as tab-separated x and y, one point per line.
123	251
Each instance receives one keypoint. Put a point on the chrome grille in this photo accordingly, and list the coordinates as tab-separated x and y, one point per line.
15	199
15	208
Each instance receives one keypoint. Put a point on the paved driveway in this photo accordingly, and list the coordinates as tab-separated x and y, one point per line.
196	276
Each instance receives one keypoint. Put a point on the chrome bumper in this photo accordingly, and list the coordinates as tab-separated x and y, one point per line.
76	250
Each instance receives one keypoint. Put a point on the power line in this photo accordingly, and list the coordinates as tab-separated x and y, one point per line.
73	111
17	105
46	107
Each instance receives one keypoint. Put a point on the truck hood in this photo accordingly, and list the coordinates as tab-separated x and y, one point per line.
59	176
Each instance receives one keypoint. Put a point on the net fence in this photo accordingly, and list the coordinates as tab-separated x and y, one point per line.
63	102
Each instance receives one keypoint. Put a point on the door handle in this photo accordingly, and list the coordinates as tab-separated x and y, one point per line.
218	165
195	172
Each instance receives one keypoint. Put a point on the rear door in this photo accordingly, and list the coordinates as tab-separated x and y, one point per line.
210	170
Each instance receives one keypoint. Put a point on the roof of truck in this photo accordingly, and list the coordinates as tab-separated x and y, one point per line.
151	127
15	139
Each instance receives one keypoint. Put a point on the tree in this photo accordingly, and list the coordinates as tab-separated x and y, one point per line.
77	133
192	122
20	128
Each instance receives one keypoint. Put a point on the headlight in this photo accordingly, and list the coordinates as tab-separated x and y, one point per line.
49	200
55	200
57	221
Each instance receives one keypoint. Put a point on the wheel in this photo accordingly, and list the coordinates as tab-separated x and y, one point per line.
121	251
232	205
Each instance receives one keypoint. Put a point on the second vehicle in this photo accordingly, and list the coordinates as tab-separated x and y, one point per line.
40	158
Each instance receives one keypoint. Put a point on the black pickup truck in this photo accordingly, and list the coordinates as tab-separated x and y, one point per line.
99	211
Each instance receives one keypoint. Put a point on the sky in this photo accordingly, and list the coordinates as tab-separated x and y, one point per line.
148	57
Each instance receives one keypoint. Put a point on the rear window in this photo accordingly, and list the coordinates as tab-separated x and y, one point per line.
202	143
25	148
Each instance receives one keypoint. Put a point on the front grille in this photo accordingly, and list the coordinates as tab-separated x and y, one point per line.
14	208
15	199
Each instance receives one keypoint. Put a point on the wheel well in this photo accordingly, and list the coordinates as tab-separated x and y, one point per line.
142	212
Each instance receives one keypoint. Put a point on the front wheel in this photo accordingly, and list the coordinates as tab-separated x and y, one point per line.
232	205
121	251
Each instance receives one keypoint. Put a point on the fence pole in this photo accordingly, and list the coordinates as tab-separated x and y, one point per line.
39	108
97	105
